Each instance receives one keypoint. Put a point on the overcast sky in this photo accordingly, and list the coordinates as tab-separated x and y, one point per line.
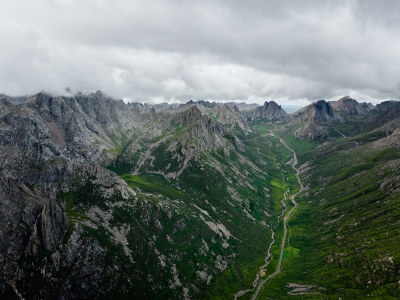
289	51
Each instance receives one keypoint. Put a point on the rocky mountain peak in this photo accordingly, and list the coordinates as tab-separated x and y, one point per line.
192	114
270	111
99	94
388	110
388	105
206	104
230	115
272	104
319	111
350	106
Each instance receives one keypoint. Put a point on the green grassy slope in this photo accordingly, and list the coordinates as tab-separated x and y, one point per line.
202	227
204	233
345	235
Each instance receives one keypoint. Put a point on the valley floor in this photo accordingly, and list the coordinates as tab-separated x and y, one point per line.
262	276
343	237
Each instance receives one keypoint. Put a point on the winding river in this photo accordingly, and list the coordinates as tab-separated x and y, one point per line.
257	285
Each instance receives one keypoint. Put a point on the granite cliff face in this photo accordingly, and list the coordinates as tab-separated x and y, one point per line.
350	106
202	131
46	144
270	111
388	111
320	111
58	202
231	115
312	118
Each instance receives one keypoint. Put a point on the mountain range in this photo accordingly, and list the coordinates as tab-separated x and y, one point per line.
103	199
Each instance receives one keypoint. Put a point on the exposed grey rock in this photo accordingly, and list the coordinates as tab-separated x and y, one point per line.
238	144
207	133
392	140
320	111
310	131
72	229
231	115
388	105
50	146
350	106
5	107
49	228
200	102
243	106
28	224
44	144
269	111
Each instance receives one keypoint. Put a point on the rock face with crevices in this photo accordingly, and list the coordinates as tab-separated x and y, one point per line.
319	111
270	111
29	224
231	115
48	146
70	227
310	131
350	106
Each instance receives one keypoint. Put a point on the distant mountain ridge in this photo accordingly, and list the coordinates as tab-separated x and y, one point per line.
351	106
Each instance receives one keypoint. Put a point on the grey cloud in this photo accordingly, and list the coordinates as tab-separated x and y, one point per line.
144	50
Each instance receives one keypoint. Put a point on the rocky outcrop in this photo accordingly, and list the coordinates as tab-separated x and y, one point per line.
385	117
310	131
243	106
320	111
109	184
386	106
203	103
392	140
190	116
315	116
74	270
231	115
201	129
33	224
350	106
5	107
44	143
270	111
29	224
49	228
205	133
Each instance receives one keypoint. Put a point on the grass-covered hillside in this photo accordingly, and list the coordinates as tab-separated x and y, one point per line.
203	233
345	234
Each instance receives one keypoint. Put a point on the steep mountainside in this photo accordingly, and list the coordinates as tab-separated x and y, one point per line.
350	106
102	199
189	191
320	111
269	111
